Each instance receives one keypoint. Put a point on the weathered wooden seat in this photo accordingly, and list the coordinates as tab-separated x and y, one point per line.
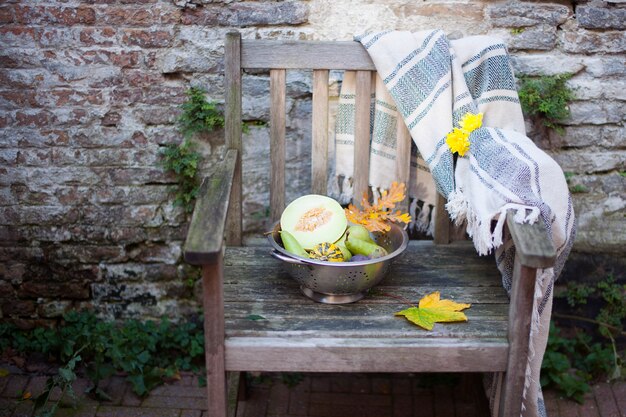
297	334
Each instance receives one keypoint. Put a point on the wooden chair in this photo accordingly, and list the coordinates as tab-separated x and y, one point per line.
301	335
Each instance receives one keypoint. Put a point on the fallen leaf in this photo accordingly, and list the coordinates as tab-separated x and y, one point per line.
255	317
432	309
27	395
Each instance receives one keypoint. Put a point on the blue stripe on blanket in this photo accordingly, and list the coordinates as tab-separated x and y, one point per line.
492	74
565	249
383	154
525	155
372	41
443	174
492	156
384	130
442	40
432	157
485	52
505	263
345	119
461	96
413	88
424	112
386	105
497	98
458	114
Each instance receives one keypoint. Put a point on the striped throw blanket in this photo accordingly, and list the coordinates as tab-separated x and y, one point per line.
429	83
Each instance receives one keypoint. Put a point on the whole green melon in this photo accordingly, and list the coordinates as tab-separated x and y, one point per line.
314	219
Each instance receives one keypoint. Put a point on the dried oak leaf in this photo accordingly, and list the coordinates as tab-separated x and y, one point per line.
432	309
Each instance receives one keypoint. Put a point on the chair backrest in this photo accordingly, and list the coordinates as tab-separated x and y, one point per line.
321	57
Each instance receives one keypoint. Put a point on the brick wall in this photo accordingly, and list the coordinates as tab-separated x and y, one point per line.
89	92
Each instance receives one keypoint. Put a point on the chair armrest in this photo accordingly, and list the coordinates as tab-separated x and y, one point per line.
205	236
532	243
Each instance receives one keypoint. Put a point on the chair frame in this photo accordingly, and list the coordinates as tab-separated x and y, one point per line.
217	218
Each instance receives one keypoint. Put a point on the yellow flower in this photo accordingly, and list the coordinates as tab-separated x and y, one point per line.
458	141
471	122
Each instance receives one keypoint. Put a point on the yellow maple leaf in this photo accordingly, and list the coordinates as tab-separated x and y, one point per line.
432	309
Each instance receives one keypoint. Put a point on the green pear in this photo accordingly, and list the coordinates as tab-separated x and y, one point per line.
358	231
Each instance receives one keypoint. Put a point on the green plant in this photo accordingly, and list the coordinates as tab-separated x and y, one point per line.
291	379
517	31
574	188
199	115
546	98
146	352
63	380
183	161
557	370
578	188
571	363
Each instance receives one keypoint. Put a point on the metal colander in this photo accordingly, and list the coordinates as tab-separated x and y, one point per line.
340	282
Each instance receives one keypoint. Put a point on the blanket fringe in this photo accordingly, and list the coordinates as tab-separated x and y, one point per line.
342	189
479	229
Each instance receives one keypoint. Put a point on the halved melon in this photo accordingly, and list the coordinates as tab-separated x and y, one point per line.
314	219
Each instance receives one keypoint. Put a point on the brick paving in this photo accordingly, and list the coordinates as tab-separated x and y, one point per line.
316	395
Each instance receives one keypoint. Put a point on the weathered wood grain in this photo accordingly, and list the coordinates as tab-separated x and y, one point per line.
362	135
442	222
403	161
532	243
304	55
319	147
418	253
520	316
277	142
394	328
260	287
205	236
213	302
301	308
284	289
232	129
316	354
300	335
234	383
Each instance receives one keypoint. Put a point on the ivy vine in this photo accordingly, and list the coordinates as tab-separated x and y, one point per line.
146	352
546	98
573	361
198	115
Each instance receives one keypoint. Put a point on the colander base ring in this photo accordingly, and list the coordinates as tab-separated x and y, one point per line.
332	298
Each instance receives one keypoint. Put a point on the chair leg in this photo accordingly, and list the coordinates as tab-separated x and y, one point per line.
236	382
213	300
520	315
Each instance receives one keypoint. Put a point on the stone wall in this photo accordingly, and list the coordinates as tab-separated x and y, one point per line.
89	92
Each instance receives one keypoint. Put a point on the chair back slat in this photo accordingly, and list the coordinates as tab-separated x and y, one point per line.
319	147
322	56
403	160
277	143
232	129
362	134
268	54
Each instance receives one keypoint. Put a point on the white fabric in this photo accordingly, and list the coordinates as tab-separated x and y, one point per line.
432	83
